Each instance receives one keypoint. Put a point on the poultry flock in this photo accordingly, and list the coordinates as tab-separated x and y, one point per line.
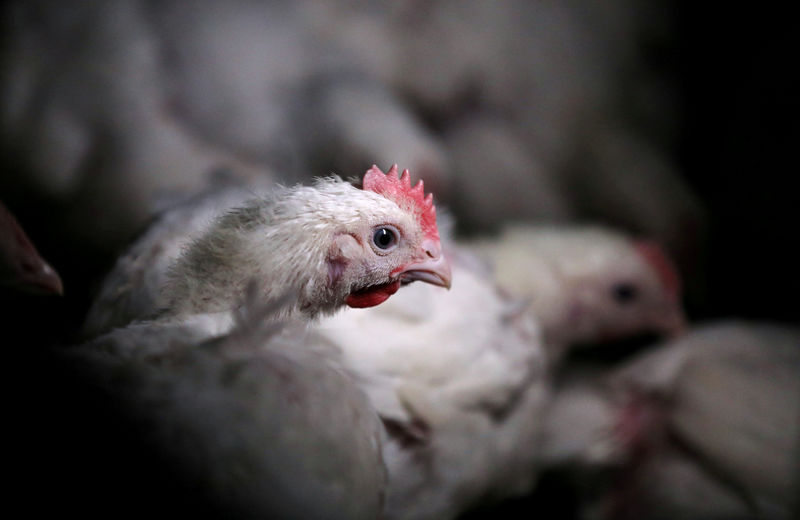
243	316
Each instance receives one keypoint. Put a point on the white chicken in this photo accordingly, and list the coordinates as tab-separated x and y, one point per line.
586	284
328	245
266	421
705	426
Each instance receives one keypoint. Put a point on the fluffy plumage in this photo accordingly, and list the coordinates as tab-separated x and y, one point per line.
132	290
458	379
704	426
262	422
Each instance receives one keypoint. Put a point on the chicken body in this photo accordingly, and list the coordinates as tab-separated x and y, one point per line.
260	422
459	384
733	416
704	426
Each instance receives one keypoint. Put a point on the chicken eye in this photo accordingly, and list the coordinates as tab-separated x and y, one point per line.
384	238
624	293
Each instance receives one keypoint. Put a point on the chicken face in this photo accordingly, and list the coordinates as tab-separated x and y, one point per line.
640	294
635	291
588	285
397	243
326	245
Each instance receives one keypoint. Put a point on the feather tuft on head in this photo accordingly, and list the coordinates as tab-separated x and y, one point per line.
400	191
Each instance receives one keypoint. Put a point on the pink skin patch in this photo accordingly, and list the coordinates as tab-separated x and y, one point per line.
372	296
400	191
654	255
336	268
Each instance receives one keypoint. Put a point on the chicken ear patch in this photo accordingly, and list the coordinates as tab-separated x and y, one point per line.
372	296
343	249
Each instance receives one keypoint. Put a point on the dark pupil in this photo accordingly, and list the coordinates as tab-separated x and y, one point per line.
624	292
383	238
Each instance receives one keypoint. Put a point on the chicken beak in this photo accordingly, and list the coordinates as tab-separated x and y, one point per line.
435	269
42	279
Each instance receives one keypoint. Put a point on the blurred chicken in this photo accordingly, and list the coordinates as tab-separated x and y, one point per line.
549	98
328	245
112	111
458	380
586	284
21	266
706	426
261	79
86	120
521	186
261	422
621	179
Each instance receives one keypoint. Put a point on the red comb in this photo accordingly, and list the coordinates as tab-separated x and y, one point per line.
654	255
400	191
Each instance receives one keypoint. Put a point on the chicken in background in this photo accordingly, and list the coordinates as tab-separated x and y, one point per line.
21	266
114	111
586	285
531	111
261	422
704	426
500	178
86	123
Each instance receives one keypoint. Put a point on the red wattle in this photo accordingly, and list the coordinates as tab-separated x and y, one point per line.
372	296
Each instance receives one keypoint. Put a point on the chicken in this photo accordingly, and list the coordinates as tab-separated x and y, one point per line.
748	445
328	245
21	266
271	398
261	422
586	284
458	383
704	426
